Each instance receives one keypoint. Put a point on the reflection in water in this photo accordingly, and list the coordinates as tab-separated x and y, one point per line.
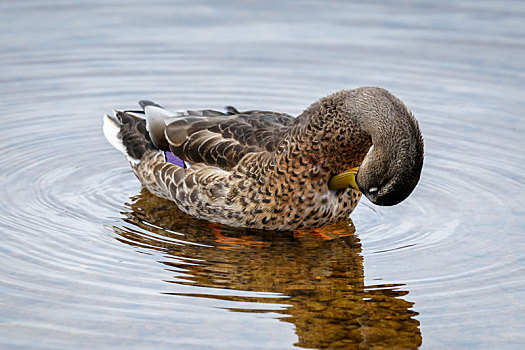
318	275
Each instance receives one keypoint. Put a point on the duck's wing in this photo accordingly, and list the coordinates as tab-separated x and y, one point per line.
217	138
222	140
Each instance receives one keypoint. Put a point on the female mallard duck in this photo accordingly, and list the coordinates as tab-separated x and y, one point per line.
268	170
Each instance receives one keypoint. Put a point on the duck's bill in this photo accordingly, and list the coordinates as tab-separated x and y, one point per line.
344	180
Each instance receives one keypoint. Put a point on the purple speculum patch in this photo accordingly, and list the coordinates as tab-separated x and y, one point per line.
173	159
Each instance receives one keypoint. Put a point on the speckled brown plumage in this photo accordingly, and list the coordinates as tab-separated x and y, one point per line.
263	169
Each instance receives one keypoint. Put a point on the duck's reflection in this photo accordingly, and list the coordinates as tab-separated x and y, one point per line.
319	271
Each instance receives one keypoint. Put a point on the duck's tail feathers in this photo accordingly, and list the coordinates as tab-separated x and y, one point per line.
127	132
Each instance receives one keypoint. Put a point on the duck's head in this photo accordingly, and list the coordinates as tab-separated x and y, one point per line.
388	181
392	168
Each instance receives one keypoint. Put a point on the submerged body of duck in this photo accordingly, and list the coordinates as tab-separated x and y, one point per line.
268	170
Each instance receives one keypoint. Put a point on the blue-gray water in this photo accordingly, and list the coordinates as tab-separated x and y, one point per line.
88	261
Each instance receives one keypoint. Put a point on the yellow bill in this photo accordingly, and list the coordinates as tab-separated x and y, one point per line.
344	180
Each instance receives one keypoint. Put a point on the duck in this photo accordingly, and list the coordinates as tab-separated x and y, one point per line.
269	170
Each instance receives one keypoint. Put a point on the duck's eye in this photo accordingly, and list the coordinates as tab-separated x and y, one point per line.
372	190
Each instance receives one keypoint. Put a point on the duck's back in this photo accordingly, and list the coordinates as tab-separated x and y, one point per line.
223	139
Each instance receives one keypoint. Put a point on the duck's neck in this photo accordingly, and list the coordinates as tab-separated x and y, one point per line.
391	126
342	127
330	137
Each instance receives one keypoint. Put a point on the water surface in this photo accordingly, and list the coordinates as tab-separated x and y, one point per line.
90	260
